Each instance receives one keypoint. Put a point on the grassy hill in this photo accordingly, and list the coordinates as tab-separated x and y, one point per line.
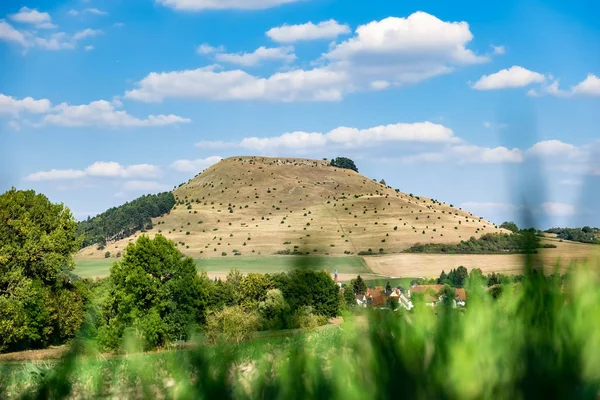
261	206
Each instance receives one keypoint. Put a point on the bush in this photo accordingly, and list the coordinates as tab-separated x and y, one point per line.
231	325
107	254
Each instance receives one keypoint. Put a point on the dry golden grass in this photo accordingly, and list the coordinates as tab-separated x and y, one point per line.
431	265
260	205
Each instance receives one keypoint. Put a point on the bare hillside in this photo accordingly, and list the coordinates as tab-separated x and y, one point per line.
260	205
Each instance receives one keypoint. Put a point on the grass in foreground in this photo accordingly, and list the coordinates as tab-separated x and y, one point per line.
537	339
268	264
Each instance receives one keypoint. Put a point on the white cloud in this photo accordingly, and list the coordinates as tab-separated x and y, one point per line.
590	86
203	5
323	30
207	83
73	13
558	209
99	169
144	186
380	85
404	50
10	105
420	132
86	33
57	41
197	165
56	175
88	48
398	51
554	148
206	48
512	77
469	154
95	11
570	182
103	113
34	17
10	34
499	50
285	54
487	124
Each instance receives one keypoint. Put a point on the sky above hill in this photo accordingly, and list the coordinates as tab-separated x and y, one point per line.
487	105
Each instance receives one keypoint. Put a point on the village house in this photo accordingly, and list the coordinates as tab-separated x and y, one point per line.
432	295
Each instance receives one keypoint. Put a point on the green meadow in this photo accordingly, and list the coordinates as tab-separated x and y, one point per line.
271	264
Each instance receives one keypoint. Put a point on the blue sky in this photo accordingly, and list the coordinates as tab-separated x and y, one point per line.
479	104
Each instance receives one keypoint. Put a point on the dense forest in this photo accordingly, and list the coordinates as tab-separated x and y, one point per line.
490	243
120	222
583	235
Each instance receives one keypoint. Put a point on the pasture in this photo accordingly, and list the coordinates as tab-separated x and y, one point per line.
348	267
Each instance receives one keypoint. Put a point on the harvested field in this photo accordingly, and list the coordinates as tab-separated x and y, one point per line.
431	265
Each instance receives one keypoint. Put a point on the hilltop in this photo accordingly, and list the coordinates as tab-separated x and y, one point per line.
264	206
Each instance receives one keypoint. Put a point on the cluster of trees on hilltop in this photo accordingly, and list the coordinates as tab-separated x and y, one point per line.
583	235
490	243
343	162
120	222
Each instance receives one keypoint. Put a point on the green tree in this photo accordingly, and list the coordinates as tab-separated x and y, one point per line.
460	276
154	291
442	278
314	289
253	289
343	162
349	296
41	302
274	310
231	325
509	225
359	285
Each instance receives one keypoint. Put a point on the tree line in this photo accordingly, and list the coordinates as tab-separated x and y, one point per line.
120	222
583	235
489	243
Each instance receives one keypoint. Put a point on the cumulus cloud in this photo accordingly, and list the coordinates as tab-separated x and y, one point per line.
558	209
203	5
99	169
103	113
590	86
31	16
397	51
54	41
498	50
512	77
555	148
195	165
210	83
285	54
206	48
10	105
344	137
323	30
469	154
10	34
86	33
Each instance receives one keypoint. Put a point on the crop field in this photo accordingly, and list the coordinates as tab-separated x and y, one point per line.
431	265
348	267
